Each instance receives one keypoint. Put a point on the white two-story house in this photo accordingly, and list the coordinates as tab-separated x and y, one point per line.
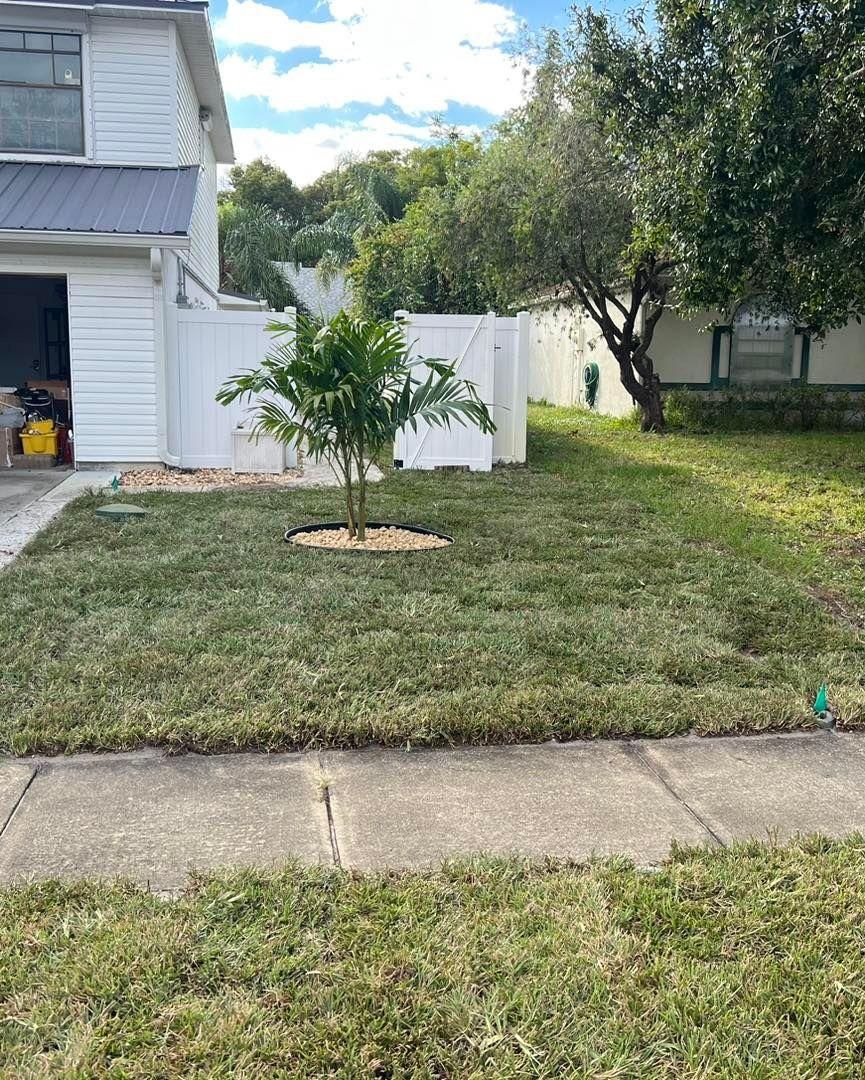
112	123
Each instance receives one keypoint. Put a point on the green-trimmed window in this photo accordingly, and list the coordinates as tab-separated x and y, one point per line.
761	350
41	108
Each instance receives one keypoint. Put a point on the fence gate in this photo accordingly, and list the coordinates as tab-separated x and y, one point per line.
492	353
210	347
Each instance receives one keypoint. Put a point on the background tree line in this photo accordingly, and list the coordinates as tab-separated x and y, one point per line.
709	157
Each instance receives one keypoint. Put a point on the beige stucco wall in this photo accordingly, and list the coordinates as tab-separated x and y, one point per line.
563	340
840	358
682	348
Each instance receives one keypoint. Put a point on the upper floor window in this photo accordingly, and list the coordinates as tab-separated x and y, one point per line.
41	110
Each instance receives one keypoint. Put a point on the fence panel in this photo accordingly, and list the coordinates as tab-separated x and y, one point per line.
211	346
490	351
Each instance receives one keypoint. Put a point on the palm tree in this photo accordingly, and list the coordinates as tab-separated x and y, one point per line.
371	200
346	388
252	240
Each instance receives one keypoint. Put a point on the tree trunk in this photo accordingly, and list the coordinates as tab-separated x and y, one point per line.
652	406
627	340
361	504
646	394
349	499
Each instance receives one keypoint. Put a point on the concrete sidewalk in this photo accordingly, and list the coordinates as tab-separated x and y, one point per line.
153	818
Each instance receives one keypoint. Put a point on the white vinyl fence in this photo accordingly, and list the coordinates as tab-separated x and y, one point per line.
204	348
210	346
490	351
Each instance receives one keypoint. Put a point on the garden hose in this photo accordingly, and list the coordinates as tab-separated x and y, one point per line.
591	378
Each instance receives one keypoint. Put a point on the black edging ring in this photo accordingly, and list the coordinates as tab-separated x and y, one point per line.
334	525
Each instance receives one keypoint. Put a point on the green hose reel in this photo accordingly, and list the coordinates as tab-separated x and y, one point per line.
591	378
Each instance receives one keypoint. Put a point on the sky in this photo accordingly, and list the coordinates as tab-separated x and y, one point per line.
309	81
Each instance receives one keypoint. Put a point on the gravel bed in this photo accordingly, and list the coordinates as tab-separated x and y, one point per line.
391	538
203	479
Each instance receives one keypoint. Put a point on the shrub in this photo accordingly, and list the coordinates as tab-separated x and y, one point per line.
741	408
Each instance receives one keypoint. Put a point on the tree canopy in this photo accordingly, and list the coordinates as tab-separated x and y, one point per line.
712	156
420	261
549	212
744	125
261	183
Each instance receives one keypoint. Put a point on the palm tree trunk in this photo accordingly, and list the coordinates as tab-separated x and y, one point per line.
349	497
361	508
361	497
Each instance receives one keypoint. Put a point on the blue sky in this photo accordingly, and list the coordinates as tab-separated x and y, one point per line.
310	82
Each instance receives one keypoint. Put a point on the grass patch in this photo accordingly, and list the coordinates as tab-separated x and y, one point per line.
622	584
739	963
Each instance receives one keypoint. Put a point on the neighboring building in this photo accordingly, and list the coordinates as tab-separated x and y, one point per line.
751	351
320	299
112	122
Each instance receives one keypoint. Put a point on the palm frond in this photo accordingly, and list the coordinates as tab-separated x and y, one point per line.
253	240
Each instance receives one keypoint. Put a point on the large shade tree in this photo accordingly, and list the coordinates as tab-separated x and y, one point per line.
551	212
745	126
713	155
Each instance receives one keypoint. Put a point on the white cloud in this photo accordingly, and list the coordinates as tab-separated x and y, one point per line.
306	154
416	54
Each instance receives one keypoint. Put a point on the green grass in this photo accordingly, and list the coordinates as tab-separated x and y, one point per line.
739	963
622	584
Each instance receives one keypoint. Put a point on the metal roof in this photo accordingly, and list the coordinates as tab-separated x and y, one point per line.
177	5
96	198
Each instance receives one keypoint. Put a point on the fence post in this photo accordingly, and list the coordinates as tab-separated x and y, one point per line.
399	444
521	385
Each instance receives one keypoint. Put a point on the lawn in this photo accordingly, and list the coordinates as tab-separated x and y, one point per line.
622	584
738	963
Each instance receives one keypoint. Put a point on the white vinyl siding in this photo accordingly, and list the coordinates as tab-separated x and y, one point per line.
203	255
112	346
132	91
188	127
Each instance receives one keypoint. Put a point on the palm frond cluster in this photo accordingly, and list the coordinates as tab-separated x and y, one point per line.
344	389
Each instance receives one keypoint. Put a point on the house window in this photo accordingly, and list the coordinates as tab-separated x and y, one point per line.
40	93
761	351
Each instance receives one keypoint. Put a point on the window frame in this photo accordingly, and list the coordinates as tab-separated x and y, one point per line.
68	155
787	340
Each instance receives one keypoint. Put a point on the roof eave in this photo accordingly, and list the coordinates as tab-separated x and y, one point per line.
96	239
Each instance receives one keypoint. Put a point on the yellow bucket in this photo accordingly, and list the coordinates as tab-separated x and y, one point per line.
40	427
39	443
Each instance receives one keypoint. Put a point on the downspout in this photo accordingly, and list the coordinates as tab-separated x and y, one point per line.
161	346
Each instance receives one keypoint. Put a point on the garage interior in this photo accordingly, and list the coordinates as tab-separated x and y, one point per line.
35	380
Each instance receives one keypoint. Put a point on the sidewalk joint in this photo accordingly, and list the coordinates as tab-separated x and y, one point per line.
18	802
658	773
331	824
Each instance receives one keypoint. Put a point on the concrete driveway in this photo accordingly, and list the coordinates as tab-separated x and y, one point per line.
30	499
19	488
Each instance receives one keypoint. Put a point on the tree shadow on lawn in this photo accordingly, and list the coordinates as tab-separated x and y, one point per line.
588	595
